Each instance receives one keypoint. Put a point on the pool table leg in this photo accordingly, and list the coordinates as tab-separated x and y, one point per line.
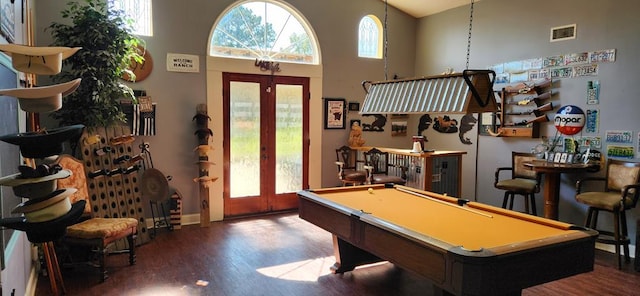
349	256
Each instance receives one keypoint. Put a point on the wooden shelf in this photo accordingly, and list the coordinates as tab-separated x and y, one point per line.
527	132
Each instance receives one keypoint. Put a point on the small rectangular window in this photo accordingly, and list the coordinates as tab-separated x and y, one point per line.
139	11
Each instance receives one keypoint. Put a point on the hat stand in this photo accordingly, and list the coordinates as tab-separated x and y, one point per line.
204	180
41	234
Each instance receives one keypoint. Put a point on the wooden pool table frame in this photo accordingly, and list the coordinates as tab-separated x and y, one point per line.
360	238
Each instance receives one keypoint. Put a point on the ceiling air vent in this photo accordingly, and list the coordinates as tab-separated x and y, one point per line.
563	33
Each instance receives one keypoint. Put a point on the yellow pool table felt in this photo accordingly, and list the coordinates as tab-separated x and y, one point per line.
437	216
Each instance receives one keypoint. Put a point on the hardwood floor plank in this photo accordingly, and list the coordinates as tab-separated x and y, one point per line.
282	255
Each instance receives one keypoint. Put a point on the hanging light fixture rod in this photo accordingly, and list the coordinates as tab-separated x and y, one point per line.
469	36
385	40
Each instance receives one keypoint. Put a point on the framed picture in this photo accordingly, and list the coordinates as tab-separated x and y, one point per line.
334	117
398	128
146	105
354	106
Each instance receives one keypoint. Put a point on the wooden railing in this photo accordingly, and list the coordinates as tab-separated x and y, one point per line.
438	171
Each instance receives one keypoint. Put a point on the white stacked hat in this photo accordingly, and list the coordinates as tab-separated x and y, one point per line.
44	98
45	60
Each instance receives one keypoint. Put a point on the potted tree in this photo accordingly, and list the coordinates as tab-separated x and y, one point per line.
108	47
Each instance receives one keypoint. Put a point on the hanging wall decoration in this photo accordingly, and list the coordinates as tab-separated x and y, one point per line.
467	123
377	125
445	124
424	123
334	115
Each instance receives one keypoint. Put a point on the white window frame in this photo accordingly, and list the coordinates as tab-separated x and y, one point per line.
370	37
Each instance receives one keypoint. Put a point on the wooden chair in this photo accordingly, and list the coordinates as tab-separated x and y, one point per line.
522	181
619	191
377	165
98	234
347	167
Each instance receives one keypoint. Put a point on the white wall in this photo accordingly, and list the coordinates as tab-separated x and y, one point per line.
17	274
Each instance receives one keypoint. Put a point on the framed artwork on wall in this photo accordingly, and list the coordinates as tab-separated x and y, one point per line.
334	113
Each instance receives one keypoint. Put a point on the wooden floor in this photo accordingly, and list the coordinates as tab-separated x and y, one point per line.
283	255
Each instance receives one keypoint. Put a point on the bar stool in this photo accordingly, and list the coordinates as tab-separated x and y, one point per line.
522	181
620	189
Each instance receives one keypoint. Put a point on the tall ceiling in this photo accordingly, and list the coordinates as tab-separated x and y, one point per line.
422	8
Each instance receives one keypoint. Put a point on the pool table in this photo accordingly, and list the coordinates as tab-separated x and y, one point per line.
463	247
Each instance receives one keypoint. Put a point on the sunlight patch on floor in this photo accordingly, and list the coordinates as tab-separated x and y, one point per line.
169	291
304	271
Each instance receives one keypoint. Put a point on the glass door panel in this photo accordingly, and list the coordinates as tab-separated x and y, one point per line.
244	144
288	138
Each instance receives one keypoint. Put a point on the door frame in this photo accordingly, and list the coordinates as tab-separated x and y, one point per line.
271	202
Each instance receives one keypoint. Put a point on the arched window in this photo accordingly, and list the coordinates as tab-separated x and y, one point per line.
265	30
370	37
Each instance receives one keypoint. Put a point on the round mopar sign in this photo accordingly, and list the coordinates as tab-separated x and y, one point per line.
569	120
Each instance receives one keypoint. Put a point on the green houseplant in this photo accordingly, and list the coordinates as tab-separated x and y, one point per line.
108	47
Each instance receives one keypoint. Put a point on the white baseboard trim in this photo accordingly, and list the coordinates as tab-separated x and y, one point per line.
185	220
611	249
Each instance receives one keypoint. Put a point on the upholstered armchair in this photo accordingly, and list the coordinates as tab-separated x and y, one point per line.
97	234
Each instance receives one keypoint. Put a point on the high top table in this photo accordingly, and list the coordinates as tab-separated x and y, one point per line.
552	172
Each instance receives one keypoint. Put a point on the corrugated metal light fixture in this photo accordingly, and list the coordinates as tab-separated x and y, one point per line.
468	92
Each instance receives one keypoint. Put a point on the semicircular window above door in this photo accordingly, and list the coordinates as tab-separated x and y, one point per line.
264	30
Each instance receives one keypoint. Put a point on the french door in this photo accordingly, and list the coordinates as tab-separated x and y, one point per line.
266	142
